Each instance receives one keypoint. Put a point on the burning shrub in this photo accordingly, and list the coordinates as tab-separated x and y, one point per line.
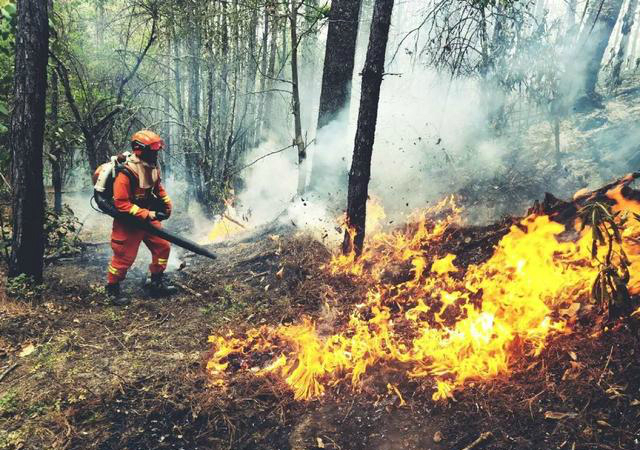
448	323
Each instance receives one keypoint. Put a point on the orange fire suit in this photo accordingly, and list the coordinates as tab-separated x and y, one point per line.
125	239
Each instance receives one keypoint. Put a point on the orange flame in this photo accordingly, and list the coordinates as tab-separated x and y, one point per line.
449	324
226	226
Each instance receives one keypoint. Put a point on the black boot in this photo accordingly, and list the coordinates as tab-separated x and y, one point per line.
160	286
115	296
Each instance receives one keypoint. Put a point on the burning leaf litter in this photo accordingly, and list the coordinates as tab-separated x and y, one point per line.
444	323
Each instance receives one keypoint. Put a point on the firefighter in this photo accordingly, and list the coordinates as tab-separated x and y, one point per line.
137	190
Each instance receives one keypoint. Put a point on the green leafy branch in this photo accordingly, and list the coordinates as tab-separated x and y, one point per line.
609	289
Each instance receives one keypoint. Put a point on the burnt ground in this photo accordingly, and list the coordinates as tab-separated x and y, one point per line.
76	373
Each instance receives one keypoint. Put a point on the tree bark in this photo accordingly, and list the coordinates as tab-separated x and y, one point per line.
337	73
27	138
627	25
367	117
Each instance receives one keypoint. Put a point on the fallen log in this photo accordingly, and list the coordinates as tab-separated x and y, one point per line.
565	212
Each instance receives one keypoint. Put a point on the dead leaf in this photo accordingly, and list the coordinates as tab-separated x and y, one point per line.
27	350
319	442
635	403
280	272
573	356
602	423
437	437
556	415
615	391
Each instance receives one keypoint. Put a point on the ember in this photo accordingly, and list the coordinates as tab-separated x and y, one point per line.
446	323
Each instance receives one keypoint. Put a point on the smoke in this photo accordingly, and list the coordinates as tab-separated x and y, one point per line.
426	122
435	133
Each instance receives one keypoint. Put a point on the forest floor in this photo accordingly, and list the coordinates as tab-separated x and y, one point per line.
76	373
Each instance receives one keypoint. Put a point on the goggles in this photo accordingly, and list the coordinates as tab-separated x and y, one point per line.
159	145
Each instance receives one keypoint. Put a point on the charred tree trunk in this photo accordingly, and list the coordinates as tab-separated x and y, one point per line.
597	32
627	25
337	73
360	173
27	138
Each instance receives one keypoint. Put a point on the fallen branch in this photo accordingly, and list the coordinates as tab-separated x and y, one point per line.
8	371
187	288
256	275
483	438
565	212
605	366
226	216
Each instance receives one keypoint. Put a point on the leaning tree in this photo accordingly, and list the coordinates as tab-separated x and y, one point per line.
360	173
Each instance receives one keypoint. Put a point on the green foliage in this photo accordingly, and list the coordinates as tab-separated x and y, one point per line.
9	402
62	233
8	22
23	287
609	289
62	237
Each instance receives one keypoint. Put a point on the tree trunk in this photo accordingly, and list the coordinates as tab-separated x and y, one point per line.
27	138
56	160
556	138
168	127
194	178
252	66
231	137
297	120
271	72
337	73
570	14
100	24
597	32
627	25
263	80
631	62
55	150
365	133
